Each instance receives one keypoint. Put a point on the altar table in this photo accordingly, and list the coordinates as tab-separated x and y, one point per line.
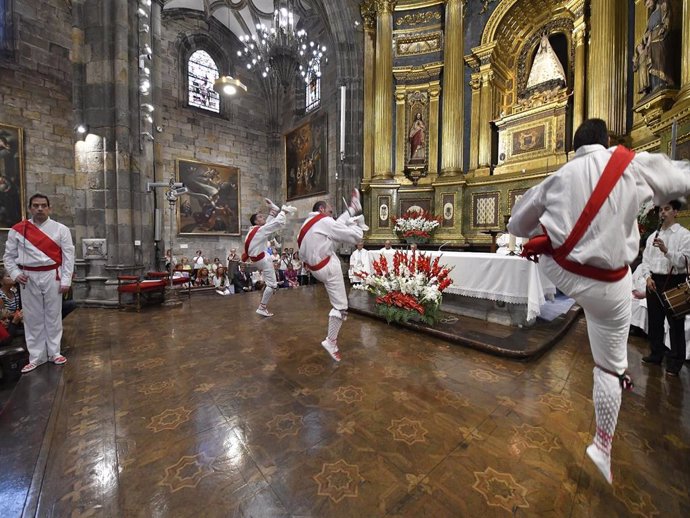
504	278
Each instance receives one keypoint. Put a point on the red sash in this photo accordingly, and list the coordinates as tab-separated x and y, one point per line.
40	240
307	227
247	242
319	265
614	169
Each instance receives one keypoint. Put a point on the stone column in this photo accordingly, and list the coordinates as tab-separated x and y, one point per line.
580	67
384	91
684	94
607	67
453	106
369	18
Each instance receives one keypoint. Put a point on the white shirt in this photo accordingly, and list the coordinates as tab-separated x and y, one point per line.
320	241
359	263
677	241
612	240
260	239
19	250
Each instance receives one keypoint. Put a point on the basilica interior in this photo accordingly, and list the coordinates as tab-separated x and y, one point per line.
157	128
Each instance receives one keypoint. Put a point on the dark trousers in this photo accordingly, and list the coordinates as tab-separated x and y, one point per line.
657	315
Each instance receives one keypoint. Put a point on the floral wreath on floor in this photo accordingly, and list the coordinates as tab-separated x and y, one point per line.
411	288
417	224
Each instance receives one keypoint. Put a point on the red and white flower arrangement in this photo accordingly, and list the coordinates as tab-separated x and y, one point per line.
411	287
416	224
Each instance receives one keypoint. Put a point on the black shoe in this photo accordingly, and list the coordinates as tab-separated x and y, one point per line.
651	360
674	374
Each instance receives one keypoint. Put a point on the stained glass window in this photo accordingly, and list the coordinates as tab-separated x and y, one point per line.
312	94
201	74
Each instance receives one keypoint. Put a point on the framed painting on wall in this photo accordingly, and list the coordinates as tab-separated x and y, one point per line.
415	204
306	159
384	203
212	204
12	205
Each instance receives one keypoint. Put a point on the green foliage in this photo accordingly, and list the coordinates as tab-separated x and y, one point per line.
399	315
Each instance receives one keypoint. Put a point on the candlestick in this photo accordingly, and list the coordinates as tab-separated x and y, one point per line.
511	243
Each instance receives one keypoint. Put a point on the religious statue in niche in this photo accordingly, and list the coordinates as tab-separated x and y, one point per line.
417	139
652	60
547	69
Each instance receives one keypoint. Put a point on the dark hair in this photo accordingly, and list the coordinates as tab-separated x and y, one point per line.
252	218
318	206
675	204
39	195
591	131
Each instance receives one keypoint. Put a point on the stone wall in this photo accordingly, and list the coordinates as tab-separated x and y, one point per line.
237	137
36	95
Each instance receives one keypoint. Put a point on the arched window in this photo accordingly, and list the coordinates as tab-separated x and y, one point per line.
312	92
202	71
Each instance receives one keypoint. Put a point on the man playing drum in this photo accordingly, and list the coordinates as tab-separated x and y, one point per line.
664	267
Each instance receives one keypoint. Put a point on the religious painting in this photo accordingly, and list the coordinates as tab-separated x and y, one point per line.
384	203
682	148
306	159
211	204
527	140
12	206
448	207
485	209
417	141
415	204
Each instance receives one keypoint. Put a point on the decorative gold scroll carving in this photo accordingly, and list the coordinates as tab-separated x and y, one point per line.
416	45
413	19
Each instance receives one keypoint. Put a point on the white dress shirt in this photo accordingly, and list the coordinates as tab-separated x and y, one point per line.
677	241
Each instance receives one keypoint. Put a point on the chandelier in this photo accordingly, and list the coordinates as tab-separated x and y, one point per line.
280	50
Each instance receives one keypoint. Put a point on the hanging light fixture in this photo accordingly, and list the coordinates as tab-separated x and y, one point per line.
227	85
280	50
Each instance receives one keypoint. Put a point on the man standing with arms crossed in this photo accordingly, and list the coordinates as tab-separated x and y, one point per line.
255	248
317	239
39	255
588	245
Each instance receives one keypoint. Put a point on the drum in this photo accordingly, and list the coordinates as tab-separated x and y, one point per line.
677	300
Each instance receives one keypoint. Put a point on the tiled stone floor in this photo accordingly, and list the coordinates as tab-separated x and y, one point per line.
210	410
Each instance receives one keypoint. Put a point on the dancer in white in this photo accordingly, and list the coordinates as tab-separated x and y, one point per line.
317	239
255	248
39	255
592	267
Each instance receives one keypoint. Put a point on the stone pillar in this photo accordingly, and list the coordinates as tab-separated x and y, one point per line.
607	67
580	67
369	18
384	91
684	94
452	129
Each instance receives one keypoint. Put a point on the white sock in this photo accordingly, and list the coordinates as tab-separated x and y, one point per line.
607	402
334	325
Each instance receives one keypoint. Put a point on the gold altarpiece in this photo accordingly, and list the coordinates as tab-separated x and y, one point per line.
470	168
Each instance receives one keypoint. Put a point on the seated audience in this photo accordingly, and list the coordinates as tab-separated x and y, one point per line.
280	275
242	281
202	277
11	317
222	283
291	276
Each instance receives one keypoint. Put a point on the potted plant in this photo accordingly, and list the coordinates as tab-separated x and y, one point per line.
410	288
416	226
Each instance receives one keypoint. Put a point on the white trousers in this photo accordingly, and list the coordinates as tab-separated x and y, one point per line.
607	311
331	276
269	274
42	309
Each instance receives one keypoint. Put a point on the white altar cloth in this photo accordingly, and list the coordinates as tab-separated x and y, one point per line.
505	278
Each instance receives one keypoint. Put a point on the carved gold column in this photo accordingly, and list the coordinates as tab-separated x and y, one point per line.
607	70
453	106
485	111
475	84
684	94
580	67
434	94
369	17
384	90
400	133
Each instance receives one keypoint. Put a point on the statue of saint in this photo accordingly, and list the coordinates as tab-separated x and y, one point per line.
547	67
652	60
416	138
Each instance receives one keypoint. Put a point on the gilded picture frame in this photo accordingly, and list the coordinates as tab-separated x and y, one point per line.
212	204
306	159
12	179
